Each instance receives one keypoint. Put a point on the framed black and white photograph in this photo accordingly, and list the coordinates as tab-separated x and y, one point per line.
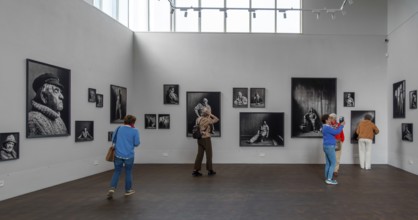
407	132
413	99
9	146
196	101
349	99
257	97
84	131
240	97
92	95
356	117
258	129
150	121
311	98
163	121
171	94
118	100
48	95
109	136
99	100
399	99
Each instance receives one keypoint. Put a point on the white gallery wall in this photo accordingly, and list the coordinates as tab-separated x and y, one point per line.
402	65
97	50
220	62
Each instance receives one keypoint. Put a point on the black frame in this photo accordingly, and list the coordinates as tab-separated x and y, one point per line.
262	93
114	90
413	100
16	148
79	126
407	132
152	123
235	103
167	101
99	100
345	98
193	100
356	117
311	98
35	69
250	122
109	136
91	98
162	125
399	99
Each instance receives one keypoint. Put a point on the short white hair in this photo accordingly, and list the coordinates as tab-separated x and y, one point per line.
333	115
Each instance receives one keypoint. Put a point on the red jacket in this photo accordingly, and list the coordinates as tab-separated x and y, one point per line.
340	136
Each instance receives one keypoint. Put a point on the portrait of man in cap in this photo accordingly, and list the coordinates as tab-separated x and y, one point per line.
9	146
48	98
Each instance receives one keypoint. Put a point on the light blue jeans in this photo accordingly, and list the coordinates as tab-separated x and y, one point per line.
330	161
119	164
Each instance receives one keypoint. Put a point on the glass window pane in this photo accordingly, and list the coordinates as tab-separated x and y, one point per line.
186	3
189	23
138	15
212	21
263	22
212	3
160	16
263	3
238	21
123	12
237	3
290	24
108	7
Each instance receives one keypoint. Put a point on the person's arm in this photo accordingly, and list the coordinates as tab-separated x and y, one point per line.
214	118
375	129
332	130
136	138
196	109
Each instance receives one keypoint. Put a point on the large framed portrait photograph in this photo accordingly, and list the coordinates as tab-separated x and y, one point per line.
9	146
91	95
349	99
196	101
171	94
163	121
399	99
258	97
150	121
48	97
261	129
356	117
413	99
84	131
240	97
407	132
311	98
118	100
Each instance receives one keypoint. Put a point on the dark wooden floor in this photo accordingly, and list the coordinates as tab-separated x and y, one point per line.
236	192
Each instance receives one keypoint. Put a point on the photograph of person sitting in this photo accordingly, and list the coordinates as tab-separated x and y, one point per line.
261	135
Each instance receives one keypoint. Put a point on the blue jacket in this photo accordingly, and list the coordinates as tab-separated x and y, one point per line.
127	139
329	133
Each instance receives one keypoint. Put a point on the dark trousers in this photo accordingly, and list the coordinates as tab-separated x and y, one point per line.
204	144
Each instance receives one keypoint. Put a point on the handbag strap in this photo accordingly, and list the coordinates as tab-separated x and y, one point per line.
116	137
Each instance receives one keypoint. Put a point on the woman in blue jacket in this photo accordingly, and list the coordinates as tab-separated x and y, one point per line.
329	133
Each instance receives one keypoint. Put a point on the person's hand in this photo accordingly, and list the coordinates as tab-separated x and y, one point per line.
343	123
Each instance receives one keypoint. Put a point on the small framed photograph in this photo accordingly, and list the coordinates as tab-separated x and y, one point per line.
109	136
349	100
163	121
84	131
407	132
413	99
99	100
150	121
240	97
92	95
399	99
9	146
258	98
171	94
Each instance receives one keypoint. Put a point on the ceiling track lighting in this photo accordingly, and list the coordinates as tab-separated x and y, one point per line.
316	12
